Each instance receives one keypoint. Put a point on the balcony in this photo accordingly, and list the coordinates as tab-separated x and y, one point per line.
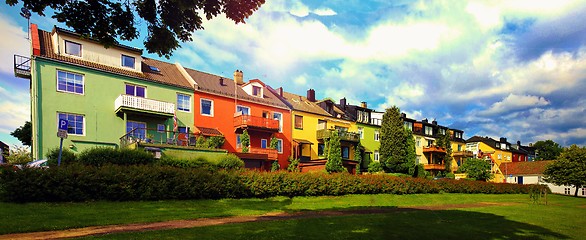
434	149
271	153
439	167
22	67
139	104
253	122
344	135
463	154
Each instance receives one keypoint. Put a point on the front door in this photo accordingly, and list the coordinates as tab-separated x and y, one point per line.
520	180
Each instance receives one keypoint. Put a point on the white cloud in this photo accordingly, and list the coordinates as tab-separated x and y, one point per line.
301	80
324	12
514	102
14	109
15	44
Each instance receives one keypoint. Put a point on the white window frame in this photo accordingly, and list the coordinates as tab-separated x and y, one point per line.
159	128
211	107
80	48
295	122
122	56
430	130
82	125
361	132
376	135
280	119
376	156
280	143
188	104
260	92
134	85
242	106
66	72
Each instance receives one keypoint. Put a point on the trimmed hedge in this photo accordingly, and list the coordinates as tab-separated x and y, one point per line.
103	155
77	182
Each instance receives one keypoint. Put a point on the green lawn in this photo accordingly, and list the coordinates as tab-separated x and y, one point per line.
562	218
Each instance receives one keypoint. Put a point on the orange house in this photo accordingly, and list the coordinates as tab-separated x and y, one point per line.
228	107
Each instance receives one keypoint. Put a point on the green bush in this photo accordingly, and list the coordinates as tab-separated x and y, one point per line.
230	162
19	155
275	166
293	165
200	162
375	167
102	155
67	156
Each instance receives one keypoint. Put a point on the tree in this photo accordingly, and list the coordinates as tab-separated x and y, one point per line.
275	166
568	169
547	150
476	168
410	154
245	141
444	142
395	151
24	134
334	163
19	155
166	21
358	157
274	143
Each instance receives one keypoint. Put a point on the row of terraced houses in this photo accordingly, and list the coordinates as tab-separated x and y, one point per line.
116	97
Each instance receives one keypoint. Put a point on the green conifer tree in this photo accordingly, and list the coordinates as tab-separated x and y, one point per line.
334	163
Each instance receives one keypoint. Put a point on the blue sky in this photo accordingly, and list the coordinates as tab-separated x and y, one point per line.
514	69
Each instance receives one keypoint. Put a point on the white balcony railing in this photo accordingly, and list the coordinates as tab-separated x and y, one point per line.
144	104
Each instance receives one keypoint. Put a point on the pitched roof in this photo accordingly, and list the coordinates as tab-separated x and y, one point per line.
168	74
300	103
488	141
208	131
211	83
524	168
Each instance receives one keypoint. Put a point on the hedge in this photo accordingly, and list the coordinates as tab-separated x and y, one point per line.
77	182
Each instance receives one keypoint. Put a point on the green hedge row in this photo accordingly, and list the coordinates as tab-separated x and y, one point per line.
141	182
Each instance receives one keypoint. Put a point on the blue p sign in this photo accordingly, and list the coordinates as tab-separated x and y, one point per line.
63	124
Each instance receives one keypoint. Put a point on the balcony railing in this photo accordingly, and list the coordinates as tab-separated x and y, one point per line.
22	66
344	135
463	154
271	153
434	167
140	103
154	136
247	121
434	149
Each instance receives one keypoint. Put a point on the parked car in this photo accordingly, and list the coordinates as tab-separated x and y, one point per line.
42	163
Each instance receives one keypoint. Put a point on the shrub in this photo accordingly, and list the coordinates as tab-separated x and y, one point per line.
230	162
199	162
102	155
275	166
201	142
375	167
19	155
67	156
215	141
450	175
293	165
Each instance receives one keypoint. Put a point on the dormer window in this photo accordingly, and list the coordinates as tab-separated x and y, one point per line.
257	91
72	48
128	61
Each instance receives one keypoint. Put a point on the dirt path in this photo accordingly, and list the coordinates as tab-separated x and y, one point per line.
99	230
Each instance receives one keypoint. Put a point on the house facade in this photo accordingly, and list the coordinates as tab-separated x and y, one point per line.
459	152
496	152
107	94
231	106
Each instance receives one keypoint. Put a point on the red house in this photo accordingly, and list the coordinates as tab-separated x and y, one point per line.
228	107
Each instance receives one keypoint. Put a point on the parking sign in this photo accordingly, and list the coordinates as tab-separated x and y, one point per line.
63	123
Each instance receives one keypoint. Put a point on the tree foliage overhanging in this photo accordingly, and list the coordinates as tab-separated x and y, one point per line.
547	150
569	168
24	134
167	21
397	154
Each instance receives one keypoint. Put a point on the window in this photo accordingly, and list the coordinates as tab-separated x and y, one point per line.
76	123
428	130
345	152
321	124
408	125
183	129
69	82
417	159
459	147
429	143
263	143
127	61
238	142
418	141
321	149
443	131
376	135
376	156
583	191
72	48
361	132
458	135
183	102
256	91
207	107
567	191
134	90
243	110
279	117
500	156
280	145
160	128
298	122
266	114
136	129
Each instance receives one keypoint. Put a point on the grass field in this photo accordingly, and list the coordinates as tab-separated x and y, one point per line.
562	218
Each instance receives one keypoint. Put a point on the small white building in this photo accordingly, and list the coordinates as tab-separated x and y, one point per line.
532	173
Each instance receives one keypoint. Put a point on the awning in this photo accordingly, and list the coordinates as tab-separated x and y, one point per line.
207	131
302	141
428	138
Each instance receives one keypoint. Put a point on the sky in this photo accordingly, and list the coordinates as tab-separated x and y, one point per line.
514	69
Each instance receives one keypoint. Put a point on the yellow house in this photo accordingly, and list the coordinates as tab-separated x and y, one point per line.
459	152
497	152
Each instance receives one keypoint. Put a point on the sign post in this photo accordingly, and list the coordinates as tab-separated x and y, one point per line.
61	133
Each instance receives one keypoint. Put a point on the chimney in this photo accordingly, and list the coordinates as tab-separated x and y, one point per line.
403	115
280	91
221	81
434	122
519	143
503	140
343	103
238	77
424	120
363	104
311	95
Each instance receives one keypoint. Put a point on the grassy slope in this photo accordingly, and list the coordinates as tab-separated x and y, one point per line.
50	216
